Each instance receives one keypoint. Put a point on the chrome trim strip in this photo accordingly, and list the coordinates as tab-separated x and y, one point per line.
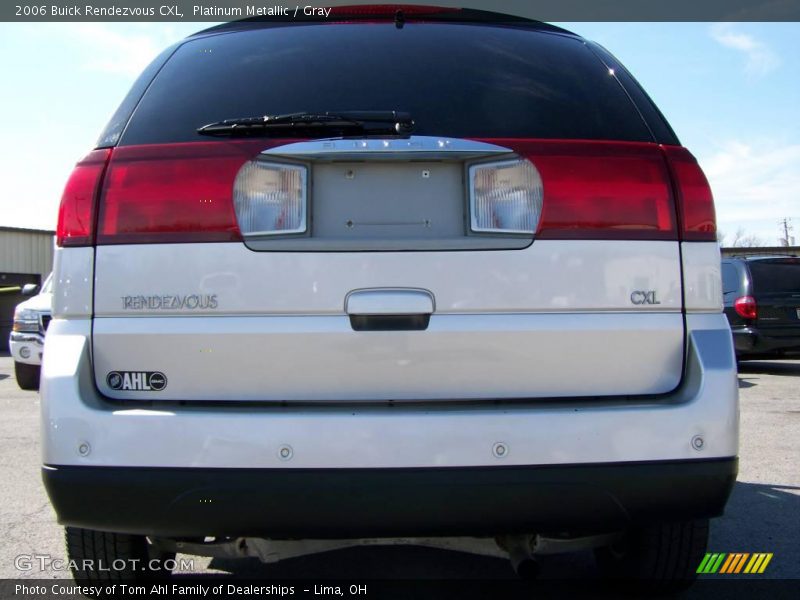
417	145
30	338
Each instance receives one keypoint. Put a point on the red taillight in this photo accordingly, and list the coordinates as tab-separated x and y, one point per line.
746	307
172	193
695	202
591	189
601	190
77	210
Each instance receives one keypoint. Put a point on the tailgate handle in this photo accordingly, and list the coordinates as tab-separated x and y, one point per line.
406	309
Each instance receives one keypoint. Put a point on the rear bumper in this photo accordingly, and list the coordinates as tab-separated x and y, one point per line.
751	341
381	470
374	471
357	503
80	428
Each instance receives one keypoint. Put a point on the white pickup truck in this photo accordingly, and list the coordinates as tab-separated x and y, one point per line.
26	341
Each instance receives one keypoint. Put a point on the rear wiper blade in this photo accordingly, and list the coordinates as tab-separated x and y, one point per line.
354	122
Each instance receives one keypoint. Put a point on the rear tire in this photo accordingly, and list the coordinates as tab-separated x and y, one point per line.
114	557
27	375
659	558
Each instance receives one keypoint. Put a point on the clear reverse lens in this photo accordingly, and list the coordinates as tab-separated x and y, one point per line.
505	197
270	198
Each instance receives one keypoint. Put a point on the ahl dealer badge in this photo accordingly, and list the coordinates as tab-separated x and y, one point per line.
138	381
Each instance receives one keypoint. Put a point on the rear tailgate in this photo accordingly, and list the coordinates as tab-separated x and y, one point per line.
243	320
386	286
776	288
553	320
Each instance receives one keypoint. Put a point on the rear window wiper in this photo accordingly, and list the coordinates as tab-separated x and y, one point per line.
305	124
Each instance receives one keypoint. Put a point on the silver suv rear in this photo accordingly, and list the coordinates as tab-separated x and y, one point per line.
461	280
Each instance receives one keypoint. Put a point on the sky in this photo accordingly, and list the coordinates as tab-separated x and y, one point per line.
731	92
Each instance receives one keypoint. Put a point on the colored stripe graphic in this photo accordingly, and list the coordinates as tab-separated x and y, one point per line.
765	563
704	563
758	564
732	563
728	562
711	562
715	566
741	562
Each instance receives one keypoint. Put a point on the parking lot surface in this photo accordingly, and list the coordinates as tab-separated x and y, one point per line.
763	514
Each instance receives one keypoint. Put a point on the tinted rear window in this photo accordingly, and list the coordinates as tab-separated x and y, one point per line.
776	276
456	80
730	278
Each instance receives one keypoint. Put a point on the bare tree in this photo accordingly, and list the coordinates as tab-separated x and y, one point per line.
741	239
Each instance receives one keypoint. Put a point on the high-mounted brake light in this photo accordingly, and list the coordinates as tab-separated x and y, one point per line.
694	198
77	209
746	307
389	10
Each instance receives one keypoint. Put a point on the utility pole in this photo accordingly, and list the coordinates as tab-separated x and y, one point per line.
786	223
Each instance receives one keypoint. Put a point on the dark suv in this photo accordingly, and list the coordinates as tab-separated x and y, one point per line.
762	303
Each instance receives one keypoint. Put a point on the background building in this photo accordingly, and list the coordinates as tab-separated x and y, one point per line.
761	251
26	256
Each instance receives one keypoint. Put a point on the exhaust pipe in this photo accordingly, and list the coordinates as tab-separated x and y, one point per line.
519	553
